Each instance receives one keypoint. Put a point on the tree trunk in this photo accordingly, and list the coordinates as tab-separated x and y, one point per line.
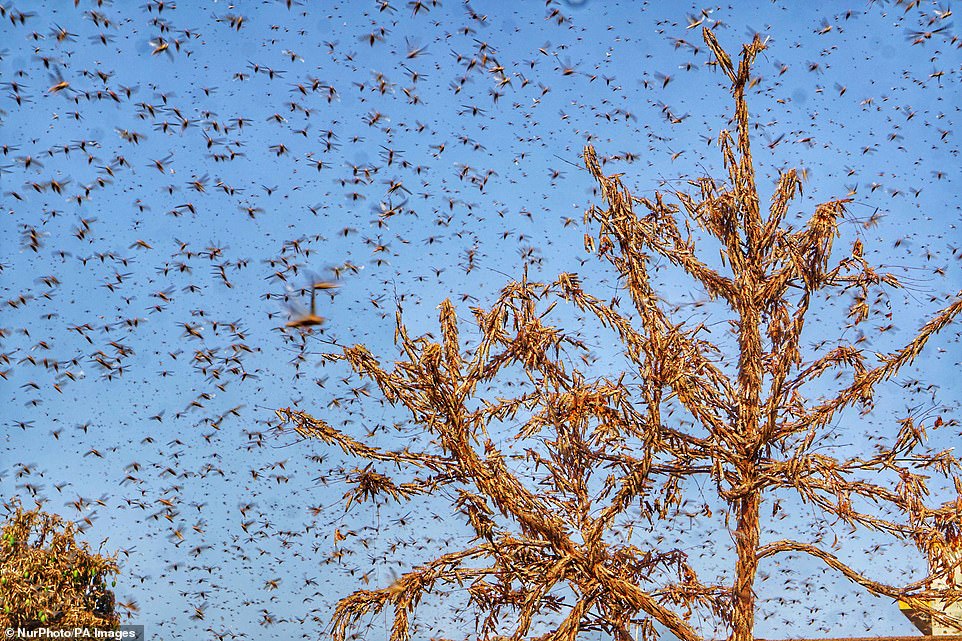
746	547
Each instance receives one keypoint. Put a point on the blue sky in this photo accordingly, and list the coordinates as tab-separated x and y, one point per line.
166	207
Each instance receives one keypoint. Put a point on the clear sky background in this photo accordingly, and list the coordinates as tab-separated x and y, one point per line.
173	173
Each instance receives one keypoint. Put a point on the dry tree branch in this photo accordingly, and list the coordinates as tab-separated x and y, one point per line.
589	453
915	598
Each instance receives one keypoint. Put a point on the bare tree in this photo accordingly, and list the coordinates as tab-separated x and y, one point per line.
551	504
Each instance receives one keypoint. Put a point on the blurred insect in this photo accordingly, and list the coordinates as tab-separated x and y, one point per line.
311	319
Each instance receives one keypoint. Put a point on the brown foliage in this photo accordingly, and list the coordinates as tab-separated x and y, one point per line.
50	579
546	504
